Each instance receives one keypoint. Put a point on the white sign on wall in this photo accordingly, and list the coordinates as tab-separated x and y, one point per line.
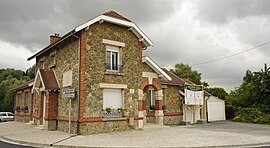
67	78
193	95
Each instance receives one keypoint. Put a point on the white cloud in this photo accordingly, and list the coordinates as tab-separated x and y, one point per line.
14	56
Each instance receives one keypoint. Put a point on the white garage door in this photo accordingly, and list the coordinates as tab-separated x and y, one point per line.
216	111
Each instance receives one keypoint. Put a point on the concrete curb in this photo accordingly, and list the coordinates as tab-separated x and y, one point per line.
74	146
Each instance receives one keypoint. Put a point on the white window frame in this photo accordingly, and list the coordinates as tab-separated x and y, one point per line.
152	94
112	89
113	49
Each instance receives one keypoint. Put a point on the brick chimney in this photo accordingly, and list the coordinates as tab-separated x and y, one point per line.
54	38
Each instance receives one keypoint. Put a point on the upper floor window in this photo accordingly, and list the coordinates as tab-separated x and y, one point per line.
52	59
113	58
42	63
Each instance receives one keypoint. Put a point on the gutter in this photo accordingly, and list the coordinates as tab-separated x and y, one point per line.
52	45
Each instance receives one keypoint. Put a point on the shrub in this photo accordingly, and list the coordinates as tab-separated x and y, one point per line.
164	107
108	110
152	107
252	115
230	112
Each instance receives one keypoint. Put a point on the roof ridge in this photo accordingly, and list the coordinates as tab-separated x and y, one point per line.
114	14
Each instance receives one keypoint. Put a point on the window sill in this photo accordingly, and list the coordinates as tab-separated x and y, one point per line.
114	119
114	73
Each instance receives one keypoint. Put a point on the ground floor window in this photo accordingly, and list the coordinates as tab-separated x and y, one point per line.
152	98
112	103
112	98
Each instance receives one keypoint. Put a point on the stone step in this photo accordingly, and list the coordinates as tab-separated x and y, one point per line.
41	127
201	121
185	123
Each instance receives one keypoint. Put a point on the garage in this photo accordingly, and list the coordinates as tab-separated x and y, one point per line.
215	109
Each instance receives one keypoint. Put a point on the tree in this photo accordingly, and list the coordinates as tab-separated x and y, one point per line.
185	71
30	72
218	92
9	79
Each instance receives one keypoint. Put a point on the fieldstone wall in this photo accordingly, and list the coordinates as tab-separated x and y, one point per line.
172	120
63	126
23	118
104	127
66	58
173	99
151	119
95	67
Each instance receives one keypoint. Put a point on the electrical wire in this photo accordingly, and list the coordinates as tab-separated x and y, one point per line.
225	57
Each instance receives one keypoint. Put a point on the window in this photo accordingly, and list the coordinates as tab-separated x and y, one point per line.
113	58
27	98
10	114
112	98
163	98
152	97
52	59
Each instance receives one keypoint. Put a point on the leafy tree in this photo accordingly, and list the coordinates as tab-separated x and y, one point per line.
9	79
218	92
252	95
185	71
30	72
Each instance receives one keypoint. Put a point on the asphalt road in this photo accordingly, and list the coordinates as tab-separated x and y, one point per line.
8	145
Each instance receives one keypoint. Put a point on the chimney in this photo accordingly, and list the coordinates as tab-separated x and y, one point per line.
54	38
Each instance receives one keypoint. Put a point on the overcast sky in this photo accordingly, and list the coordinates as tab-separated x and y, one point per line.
187	31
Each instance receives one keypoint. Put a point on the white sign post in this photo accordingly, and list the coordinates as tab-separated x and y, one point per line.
69	93
193	97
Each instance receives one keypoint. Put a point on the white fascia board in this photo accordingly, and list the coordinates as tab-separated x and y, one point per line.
155	67
34	84
136	29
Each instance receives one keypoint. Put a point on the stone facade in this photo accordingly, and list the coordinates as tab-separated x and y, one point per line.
88	71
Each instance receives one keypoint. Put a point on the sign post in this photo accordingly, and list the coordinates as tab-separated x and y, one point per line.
69	93
193	98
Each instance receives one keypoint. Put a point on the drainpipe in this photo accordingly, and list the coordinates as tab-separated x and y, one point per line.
79	75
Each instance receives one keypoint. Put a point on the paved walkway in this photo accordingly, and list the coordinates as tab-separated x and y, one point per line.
220	134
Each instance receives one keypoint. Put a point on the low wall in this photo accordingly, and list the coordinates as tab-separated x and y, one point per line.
21	118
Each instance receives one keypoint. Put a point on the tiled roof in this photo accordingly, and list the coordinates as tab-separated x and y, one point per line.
116	15
187	81
49	79
25	85
175	79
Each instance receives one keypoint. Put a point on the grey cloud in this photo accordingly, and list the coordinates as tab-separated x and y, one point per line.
222	11
29	23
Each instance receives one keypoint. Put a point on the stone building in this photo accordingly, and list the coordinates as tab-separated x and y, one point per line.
116	87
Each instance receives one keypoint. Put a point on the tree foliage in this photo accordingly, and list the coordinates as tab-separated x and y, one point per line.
10	79
253	93
185	71
218	92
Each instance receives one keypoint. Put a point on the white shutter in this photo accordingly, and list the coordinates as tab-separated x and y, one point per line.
112	98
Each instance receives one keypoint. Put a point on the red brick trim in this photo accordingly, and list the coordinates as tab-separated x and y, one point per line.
140	51
140	105
138	118
158	104
155	85
23	114
82	74
173	113
150	114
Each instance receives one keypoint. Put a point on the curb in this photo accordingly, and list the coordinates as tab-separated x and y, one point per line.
74	146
